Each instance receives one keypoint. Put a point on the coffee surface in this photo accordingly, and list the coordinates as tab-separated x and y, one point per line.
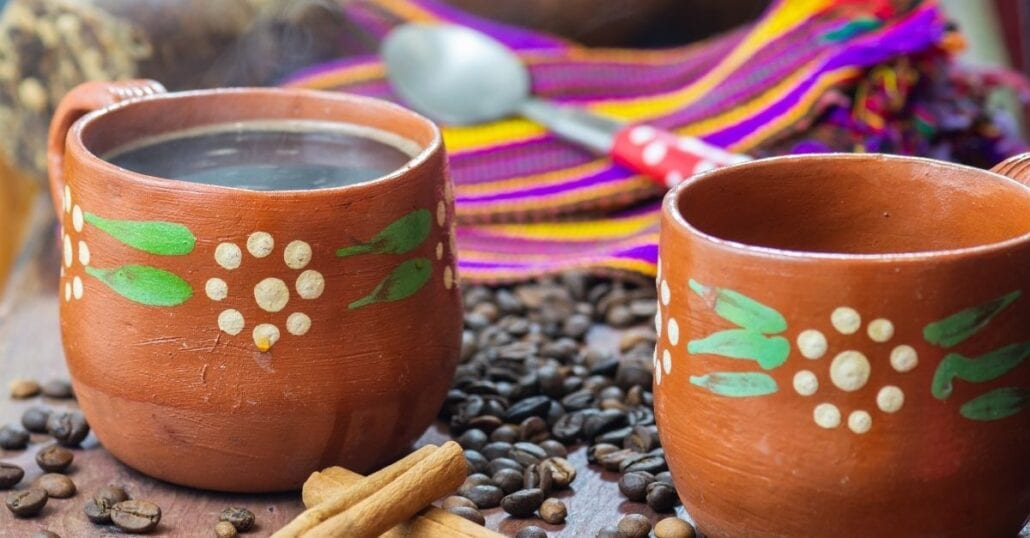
269	155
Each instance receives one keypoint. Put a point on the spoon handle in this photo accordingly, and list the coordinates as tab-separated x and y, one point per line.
667	158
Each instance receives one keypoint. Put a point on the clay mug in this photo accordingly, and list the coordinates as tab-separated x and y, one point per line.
844	347
237	339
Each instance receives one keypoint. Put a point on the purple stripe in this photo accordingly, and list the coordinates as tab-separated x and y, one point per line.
607	175
644	253
535	156
327	67
511	36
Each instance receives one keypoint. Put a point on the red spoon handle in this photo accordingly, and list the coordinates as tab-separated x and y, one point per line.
666	157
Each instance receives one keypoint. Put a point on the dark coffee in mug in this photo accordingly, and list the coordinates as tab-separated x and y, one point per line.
269	155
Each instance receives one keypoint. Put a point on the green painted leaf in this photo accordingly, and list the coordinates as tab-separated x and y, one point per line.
144	284
957	327
155	237
736	384
977	370
768	351
401	236
997	404
403	282
741	310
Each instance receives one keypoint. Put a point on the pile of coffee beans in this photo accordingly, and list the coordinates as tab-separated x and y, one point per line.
550	365
234	520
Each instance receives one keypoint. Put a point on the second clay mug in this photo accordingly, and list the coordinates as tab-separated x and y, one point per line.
844	347
238	339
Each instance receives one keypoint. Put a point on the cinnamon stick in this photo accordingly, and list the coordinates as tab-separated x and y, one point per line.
432	522
354	494
439	474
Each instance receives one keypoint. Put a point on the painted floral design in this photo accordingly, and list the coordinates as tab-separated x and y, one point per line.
272	294
759	334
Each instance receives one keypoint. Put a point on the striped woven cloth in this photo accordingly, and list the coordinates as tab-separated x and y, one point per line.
809	75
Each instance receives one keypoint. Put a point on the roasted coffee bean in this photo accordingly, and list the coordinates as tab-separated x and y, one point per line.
569	428
576	401
534	430
539	478
498	449
457	500
113	494
553	511
634	526
576	326
497	464
58	389
477	462
634	485
572	384
602	422
10	475
633	372
481	387
661	497
554	448
597	382
674	527
609	532
54	459
527	453
468	512
34	419
68	428
640	416
523	503
485	496
473	439
598	451
505	434
487	423
634	396
24	388
643	462
665	477
98	510
45	534
531	532
611	393
509	480
562	472
535	406
473	480
642	439
56	485
613	460
468	345
224	529
612	403
26	502
136	516
13	438
614	437
239	517
551	381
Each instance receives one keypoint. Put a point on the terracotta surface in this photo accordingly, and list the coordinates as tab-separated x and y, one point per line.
845	348
228	339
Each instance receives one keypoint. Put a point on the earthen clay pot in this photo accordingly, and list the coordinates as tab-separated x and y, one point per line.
844	348
238	340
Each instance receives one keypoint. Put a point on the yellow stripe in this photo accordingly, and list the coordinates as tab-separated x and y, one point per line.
341	77
636	266
404	9
575	230
543	179
475	137
545	202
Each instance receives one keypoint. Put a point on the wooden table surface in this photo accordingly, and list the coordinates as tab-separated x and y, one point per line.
30	347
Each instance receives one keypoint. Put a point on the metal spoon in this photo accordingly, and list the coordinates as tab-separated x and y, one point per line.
460	76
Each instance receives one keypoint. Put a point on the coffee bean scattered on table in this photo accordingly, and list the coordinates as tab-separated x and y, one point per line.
26	502
113	494
634	526
224	529
674	527
531	531
486	496
469	513
610	531
13	438
34	419
509	480
10	475
523	503
67	428
553	511
661	497
23	388
56	485
633	485
136	516
457	500
58	389
240	518
54	459
98	510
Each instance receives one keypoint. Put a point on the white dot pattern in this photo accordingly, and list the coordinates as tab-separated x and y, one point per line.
846	320
673	331
880	330
860	421
849	370
655	152
890	399
811	344
904	358
805	383
260	244
826	415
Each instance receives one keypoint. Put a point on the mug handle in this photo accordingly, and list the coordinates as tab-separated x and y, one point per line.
1016	167
81	100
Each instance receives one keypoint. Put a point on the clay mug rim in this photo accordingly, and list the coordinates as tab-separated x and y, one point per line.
1015	170
88	105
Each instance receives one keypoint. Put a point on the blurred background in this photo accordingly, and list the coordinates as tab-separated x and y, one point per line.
49	46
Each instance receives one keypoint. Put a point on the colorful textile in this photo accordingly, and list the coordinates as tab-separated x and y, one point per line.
810	75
